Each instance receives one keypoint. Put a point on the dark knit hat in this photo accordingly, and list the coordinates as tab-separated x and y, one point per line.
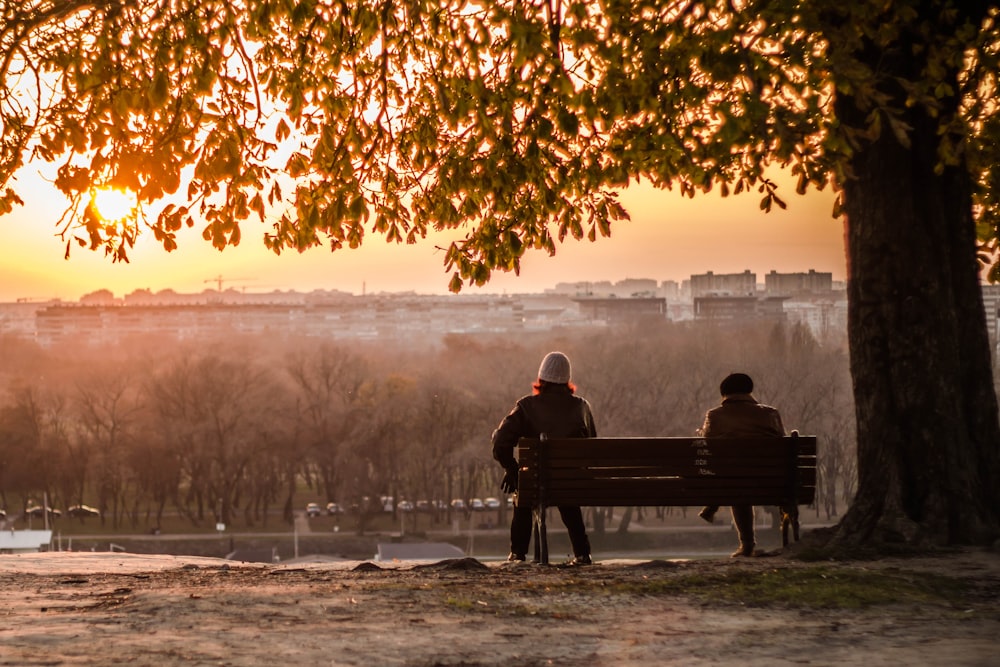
555	368
736	383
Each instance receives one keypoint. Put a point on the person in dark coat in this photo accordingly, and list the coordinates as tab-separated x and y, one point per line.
740	415
552	409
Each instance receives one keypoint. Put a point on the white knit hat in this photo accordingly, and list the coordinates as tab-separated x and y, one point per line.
555	368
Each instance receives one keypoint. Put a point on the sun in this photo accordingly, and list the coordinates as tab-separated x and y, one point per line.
114	205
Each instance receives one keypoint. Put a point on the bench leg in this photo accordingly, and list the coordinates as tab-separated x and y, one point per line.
541	537
535	536
789	519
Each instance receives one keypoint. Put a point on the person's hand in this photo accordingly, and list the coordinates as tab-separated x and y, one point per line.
509	482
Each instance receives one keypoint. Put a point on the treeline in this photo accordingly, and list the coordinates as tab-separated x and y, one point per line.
232	430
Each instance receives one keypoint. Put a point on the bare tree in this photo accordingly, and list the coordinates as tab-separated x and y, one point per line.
108	406
327	382
212	410
32	445
446	420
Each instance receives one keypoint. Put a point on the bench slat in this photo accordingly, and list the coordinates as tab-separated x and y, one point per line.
665	471
610	460
684	492
571	448
678	497
718	467
651	492
717	476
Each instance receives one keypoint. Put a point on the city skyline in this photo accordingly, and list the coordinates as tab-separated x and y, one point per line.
669	238
622	287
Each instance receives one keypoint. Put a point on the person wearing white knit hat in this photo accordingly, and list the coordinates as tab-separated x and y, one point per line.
552	409
555	368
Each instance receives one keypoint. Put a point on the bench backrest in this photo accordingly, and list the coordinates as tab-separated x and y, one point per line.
667	471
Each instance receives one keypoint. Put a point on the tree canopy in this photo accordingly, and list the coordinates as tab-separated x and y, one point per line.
513	121
517	122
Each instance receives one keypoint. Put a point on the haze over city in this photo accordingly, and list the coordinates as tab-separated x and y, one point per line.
669	237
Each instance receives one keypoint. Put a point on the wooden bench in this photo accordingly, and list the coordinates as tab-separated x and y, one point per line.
665	471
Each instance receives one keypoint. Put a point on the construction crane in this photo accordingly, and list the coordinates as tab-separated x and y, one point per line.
218	280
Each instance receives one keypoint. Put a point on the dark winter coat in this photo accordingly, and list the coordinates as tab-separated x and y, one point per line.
740	415
556	412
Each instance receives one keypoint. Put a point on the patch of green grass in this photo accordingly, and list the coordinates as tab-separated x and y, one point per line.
810	588
459	604
830	586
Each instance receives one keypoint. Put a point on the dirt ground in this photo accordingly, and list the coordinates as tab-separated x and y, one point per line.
108	609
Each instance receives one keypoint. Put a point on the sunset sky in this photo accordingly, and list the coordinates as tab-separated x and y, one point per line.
668	238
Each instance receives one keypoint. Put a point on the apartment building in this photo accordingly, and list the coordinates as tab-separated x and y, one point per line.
788	284
723	284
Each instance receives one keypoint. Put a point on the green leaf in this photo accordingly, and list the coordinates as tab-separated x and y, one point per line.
838	207
358	208
568	122
282	130
159	89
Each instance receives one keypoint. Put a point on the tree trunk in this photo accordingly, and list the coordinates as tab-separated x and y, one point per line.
626	520
927	424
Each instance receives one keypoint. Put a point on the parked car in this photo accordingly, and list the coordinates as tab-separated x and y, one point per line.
477	505
313	510
458	504
334	508
82	511
492	503
36	512
405	506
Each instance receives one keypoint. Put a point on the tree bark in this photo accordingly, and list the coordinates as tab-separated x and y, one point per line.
928	431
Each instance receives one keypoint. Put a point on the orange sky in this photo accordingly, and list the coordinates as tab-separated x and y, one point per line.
668	238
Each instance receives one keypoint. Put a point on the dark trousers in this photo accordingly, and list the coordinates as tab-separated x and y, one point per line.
743	518
572	518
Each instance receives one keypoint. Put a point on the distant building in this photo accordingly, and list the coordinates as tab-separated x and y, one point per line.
826	316
628	287
589	288
401	317
731	308
102	297
636	287
18	319
680	311
670	290
724	284
809	297
614	309
789	284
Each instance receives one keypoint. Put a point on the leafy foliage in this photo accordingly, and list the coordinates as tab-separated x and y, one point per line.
511	124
